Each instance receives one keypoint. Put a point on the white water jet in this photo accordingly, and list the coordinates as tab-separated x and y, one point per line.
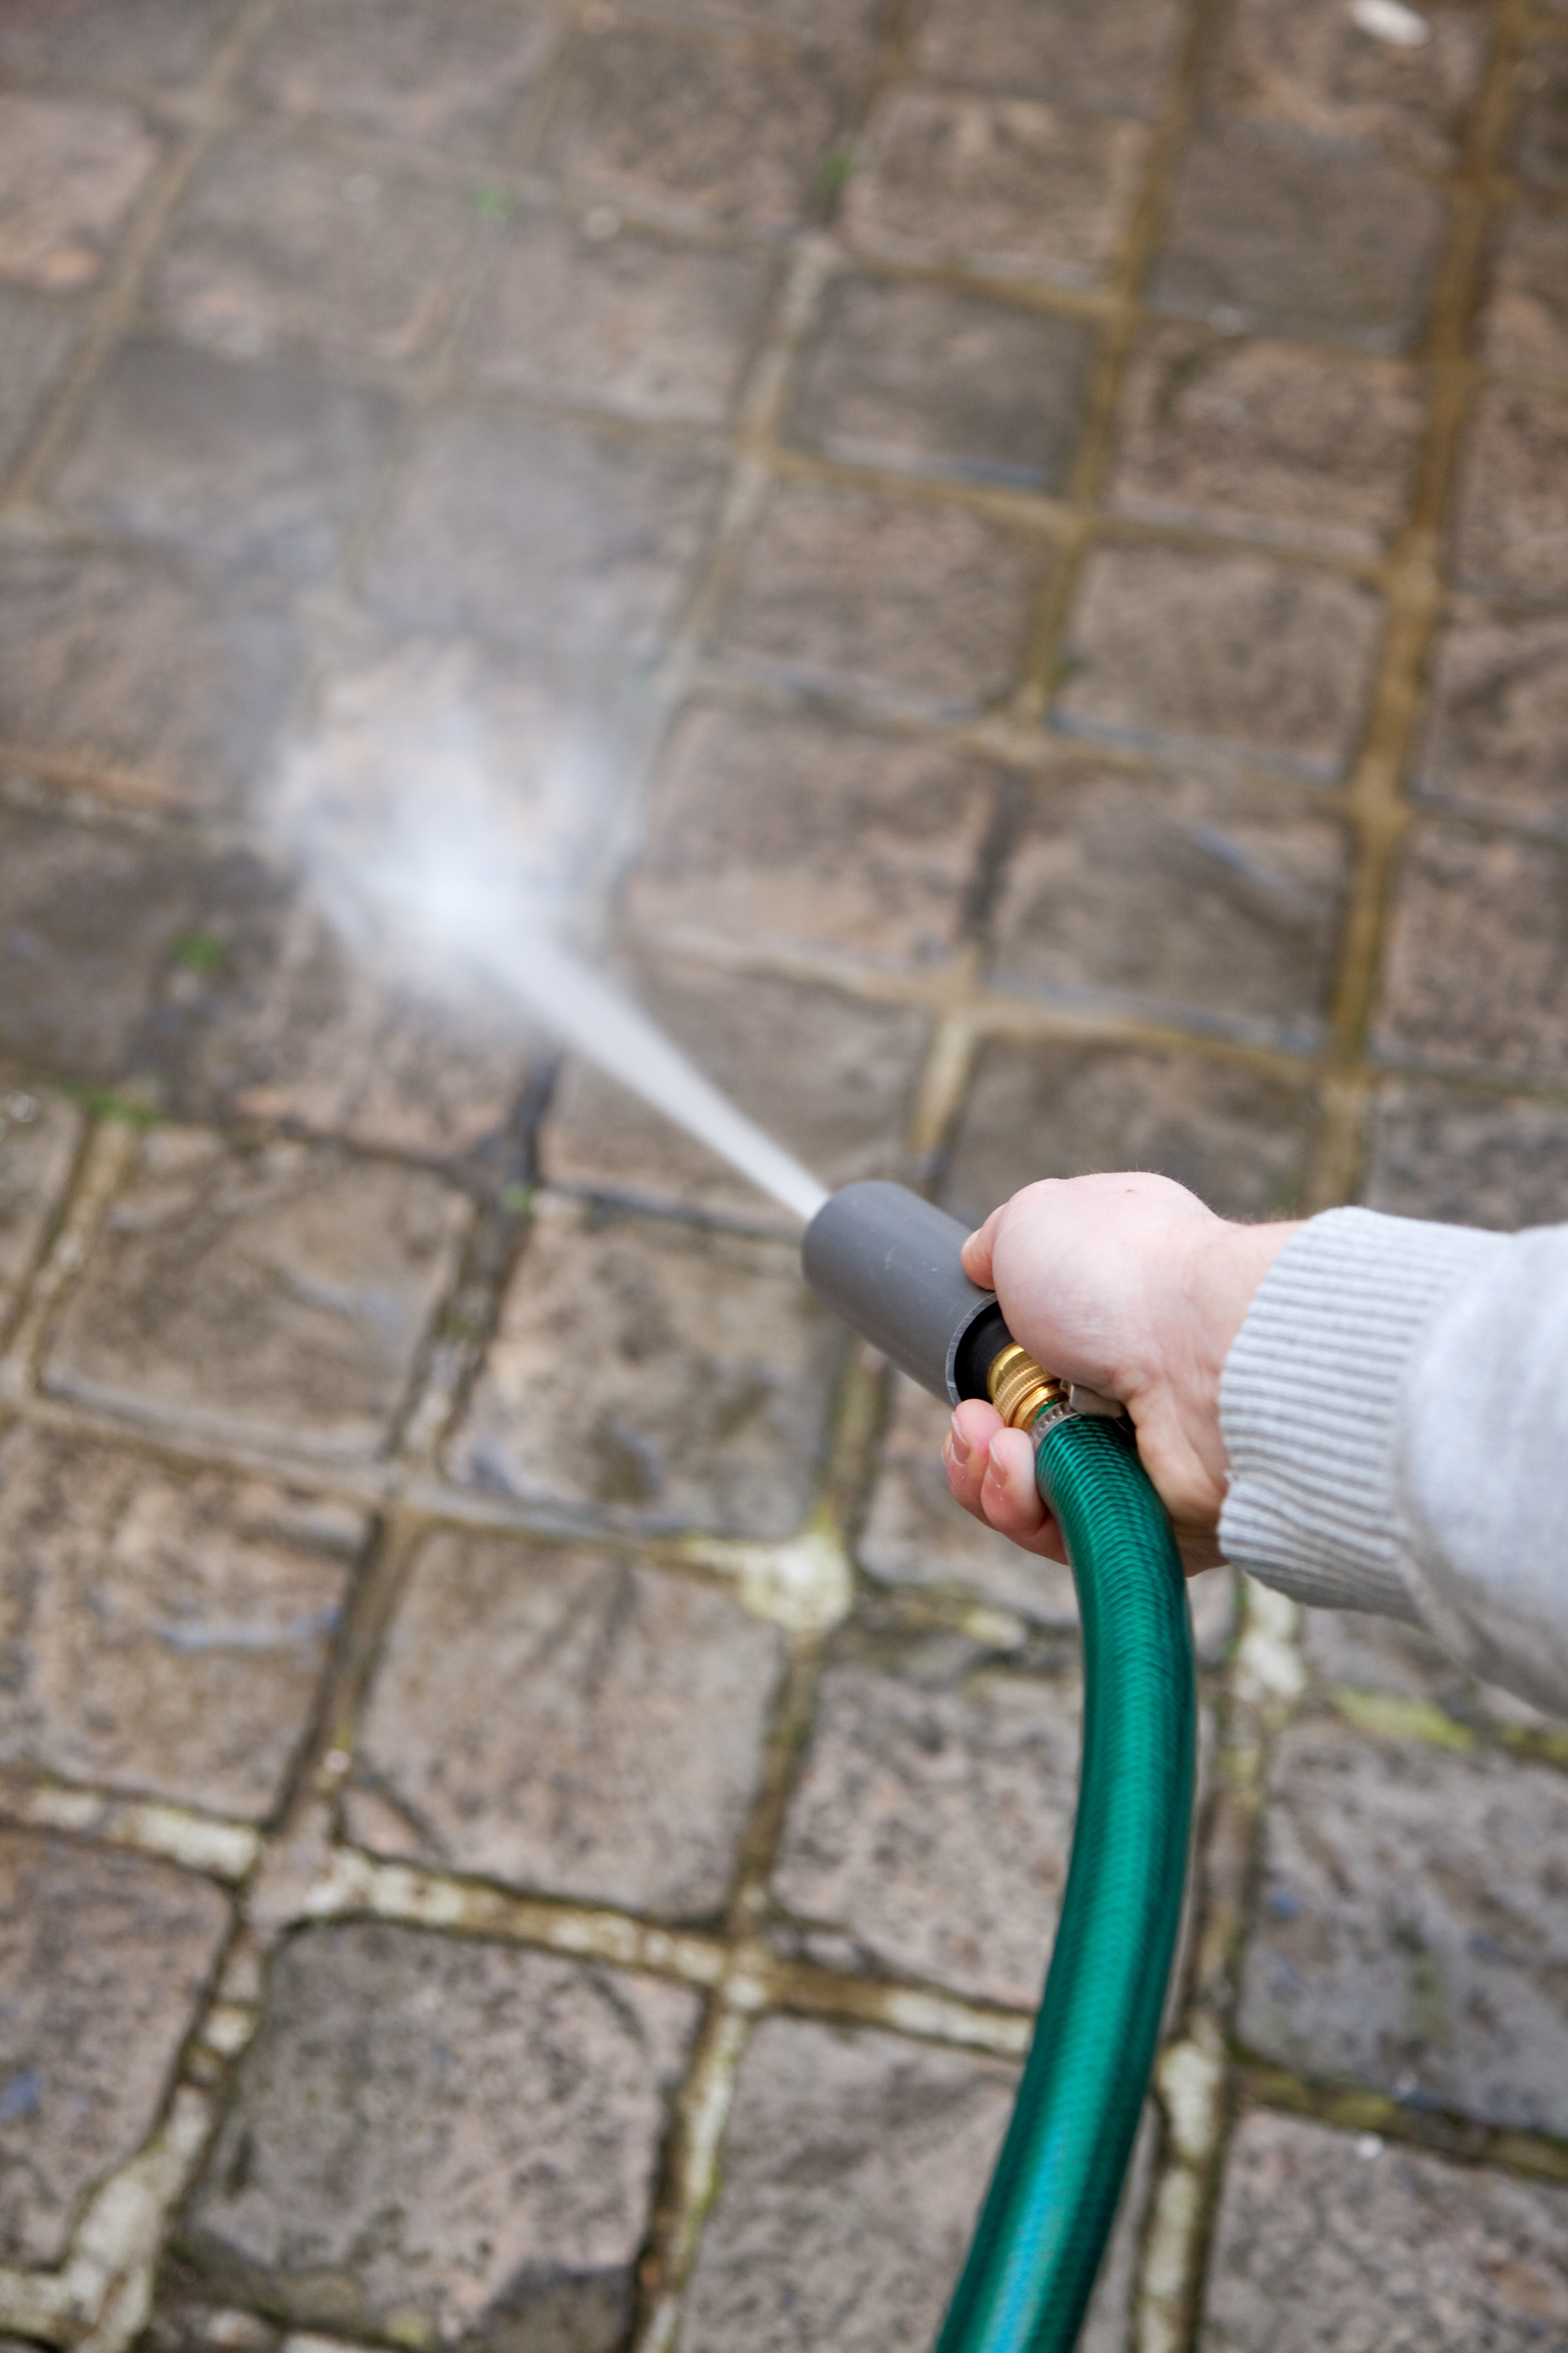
436	873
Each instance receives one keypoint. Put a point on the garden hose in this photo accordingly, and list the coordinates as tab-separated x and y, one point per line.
889	1262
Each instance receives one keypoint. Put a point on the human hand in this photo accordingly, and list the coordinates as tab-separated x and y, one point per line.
1129	1285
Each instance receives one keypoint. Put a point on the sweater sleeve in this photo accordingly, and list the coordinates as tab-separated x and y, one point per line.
1396	1410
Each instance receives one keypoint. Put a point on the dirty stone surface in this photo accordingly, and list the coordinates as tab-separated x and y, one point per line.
1000	565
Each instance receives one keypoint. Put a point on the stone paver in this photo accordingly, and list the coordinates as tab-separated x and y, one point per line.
1445	1005
1278	232
1013	189
543	534
275	1293
929	1830
1235	654
102	1959
837	1089
1165	893
440	75
162	1634
916	535
1236	1136
1329	2239
138	672
260	468
1412	1928
39	1139
1499	704
856	844
653	1375
853	2168
928	380
569	1722
436	2136
1272	441
1493	1161
924	607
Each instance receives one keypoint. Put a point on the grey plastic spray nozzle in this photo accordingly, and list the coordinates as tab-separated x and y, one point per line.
888	1263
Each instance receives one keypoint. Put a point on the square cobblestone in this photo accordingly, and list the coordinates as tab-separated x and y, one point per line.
1174	897
792	833
86	916
103	1959
695	1392
1526	320
440	2139
1474	972
916	1535
436	73
1500	716
1512	518
1237	654
569	1722
1499	1161
637	324
35	333
1359	1652
831	1078
281	1292
162	1634
852	2170
1273	441
158	43
1000	185
1334	76
934	380
280	244
925	606
1235	1135
930	1823
1413	1925
1326	2239
1540	143
245	466
1112	58
71	169
695	128
128	667
543	534
1272	230
40	1138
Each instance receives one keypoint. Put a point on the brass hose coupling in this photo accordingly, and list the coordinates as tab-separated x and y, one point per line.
1019	1391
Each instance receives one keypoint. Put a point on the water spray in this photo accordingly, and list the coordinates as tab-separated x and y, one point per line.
416	857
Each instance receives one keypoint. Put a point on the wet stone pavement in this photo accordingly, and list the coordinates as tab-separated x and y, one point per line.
1009	561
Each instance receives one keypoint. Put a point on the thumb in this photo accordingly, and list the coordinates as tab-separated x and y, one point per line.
977	1253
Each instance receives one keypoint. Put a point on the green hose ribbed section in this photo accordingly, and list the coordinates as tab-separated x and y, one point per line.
1054	2194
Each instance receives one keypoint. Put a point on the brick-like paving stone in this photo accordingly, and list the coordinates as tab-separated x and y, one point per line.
1329	2239
931	1826
654	1374
281	1292
1412	1925
532	1721
435	2137
160	1634
102	1959
936	541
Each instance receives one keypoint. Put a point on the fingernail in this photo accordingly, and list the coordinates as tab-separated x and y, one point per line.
958	1445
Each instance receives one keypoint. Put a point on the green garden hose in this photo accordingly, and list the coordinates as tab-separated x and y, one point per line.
1054	2194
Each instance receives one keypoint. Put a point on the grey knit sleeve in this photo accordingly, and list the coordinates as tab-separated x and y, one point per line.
1396	1410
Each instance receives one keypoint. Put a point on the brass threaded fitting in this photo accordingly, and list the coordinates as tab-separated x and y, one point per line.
1019	1391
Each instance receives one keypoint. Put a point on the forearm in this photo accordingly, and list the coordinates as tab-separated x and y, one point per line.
1395	1415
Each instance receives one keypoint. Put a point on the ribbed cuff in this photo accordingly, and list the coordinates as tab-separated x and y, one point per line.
1310	1404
